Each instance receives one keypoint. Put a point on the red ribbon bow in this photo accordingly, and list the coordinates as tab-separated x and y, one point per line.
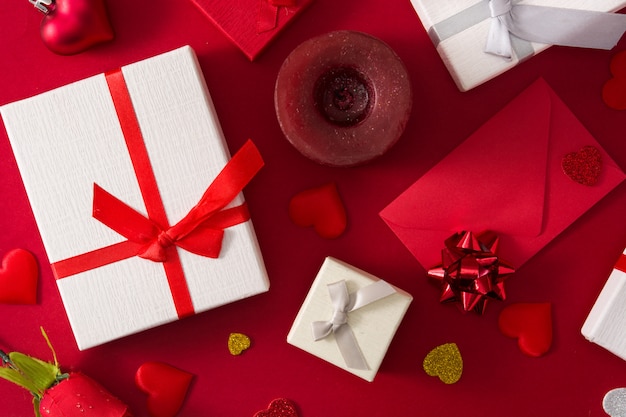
268	13
201	230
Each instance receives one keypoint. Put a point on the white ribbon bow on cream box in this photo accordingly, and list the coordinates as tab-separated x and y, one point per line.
480	39
349	318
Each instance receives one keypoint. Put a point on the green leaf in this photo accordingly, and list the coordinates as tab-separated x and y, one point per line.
17	378
54	354
36	402
42	374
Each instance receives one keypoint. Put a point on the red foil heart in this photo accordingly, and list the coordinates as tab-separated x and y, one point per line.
166	387
319	207
72	26
583	166
614	90
18	278
531	324
280	407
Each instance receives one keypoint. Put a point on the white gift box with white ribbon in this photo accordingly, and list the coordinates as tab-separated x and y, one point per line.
355	333
68	139
460	30
606	323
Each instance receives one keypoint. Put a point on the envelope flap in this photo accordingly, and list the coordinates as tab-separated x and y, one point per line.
495	180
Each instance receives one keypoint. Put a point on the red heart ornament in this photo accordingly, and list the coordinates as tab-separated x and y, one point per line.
280	407
72	26
583	166
531	324
319	207
614	90
165	385
18	278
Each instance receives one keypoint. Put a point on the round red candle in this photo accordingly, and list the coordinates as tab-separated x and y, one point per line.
343	98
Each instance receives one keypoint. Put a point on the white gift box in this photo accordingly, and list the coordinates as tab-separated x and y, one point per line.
373	325
606	323
459	30
68	139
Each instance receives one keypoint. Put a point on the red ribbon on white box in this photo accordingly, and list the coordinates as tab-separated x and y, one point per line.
152	237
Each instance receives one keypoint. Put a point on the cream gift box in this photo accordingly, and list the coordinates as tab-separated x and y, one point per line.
606	323
373	321
68	139
459	30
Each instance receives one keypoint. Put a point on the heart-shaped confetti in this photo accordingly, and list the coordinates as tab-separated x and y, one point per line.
614	90
319	207
583	166
19	274
237	343
280	407
614	402
165	385
531	324
445	362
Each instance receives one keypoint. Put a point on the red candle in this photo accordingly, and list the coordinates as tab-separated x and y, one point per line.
343	98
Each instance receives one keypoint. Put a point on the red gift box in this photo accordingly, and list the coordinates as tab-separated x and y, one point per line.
251	24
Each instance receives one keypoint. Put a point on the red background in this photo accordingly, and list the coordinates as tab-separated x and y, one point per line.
498	379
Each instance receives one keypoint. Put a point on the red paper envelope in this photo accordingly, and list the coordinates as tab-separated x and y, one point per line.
507	177
251	24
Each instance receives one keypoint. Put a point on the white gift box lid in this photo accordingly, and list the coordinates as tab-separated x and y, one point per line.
462	51
606	323
373	325
67	139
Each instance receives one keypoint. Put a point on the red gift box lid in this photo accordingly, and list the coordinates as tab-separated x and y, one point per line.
251	24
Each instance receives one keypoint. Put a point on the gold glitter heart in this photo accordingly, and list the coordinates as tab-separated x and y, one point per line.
445	362
237	343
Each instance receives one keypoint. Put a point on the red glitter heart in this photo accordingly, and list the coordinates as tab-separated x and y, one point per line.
18	278
280	407
166	387
614	90
531	324
583	166
320	207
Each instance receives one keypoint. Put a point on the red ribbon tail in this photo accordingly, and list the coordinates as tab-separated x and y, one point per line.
120	217
237	173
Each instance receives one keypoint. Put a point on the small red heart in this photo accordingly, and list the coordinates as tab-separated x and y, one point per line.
280	407
583	166
18	278
165	385
72	26
320	207
614	90
531	324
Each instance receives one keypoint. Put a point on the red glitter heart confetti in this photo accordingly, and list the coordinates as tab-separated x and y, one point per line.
319	207
18	278
583	166
280	407
166	387
614	90
531	324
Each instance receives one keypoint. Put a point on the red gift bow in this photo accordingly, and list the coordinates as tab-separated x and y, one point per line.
268	13
199	232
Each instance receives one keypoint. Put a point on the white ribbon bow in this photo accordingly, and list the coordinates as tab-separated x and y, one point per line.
344	303
551	25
